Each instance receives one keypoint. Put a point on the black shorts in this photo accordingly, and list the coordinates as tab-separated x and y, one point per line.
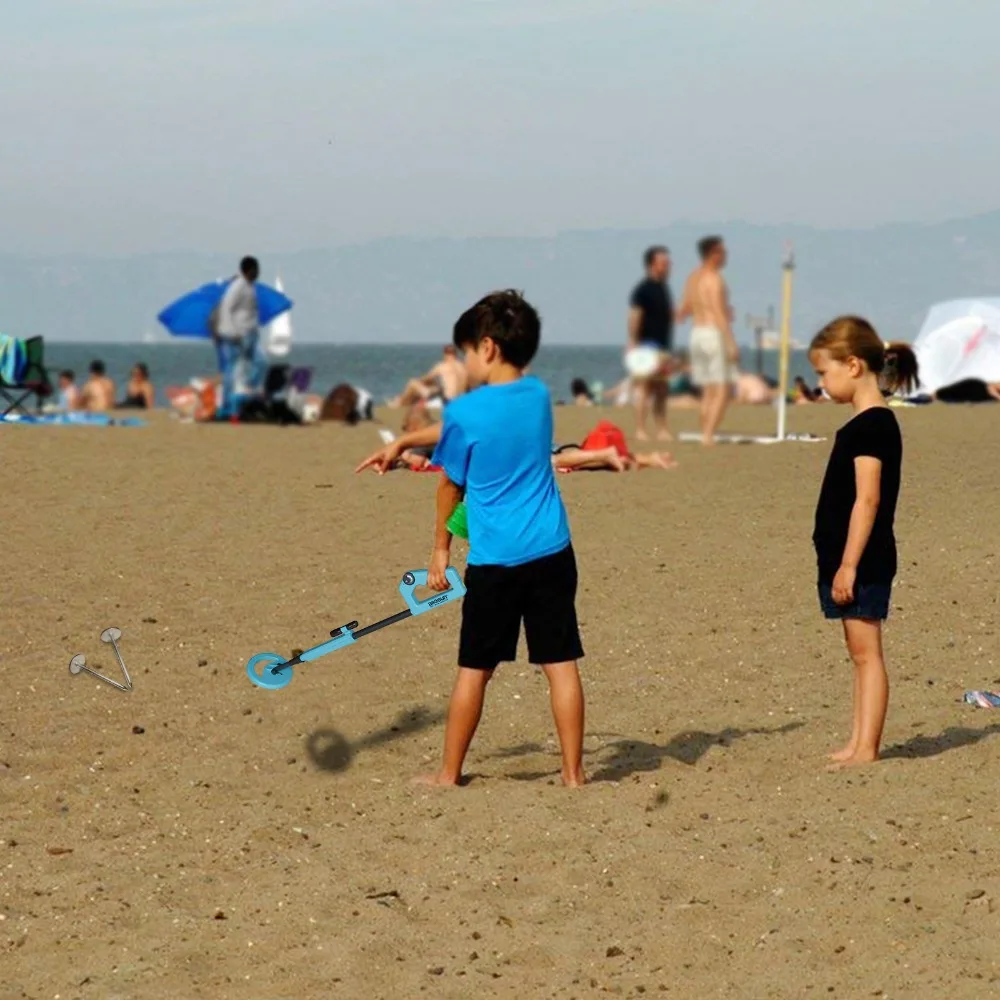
542	592
871	602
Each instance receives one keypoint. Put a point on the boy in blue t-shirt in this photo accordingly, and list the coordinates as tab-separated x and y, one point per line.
495	447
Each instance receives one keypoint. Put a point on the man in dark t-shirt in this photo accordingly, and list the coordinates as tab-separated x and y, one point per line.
651	324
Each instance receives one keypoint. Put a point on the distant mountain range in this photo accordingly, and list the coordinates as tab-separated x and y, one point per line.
411	290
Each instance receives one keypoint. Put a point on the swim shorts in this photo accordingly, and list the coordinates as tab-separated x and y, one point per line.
709	364
541	592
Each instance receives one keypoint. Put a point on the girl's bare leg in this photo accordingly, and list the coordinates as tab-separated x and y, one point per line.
464	713
566	696
864	643
852	744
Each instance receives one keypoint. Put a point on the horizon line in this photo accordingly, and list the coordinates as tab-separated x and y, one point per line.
488	237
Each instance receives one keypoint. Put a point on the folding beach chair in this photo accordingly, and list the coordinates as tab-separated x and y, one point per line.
33	380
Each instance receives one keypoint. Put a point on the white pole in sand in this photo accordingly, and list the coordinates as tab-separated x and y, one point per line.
788	266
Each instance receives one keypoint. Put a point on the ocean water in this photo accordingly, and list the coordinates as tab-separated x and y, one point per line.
382	369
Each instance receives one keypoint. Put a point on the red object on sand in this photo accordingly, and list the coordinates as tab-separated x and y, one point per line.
606	435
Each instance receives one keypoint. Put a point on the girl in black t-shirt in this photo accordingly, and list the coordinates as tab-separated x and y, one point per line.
854	535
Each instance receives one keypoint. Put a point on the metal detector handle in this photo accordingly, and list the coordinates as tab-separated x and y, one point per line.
418	578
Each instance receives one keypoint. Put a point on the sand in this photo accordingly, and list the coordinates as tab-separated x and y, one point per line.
223	841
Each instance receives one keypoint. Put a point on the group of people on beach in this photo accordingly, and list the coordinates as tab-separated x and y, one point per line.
97	394
493	447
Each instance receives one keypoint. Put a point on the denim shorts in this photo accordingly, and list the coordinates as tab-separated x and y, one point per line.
871	602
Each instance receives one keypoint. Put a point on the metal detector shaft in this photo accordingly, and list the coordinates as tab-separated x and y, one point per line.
391	620
271	671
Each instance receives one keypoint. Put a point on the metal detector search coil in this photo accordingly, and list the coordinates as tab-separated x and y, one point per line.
273	672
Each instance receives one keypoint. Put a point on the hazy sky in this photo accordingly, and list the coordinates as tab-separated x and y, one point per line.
136	125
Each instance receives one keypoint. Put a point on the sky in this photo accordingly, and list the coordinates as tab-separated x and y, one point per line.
134	126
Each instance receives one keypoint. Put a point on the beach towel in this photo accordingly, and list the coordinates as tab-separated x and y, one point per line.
81	419
13	359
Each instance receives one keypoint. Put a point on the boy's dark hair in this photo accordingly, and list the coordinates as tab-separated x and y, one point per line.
66	373
250	268
96	367
708	246
142	368
651	254
578	387
508	320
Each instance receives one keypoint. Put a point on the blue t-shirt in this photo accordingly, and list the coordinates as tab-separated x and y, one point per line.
496	443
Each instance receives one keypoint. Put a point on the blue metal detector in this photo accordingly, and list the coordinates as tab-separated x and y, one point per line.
273	672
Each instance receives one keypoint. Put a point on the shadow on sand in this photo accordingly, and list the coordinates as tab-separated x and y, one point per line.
954	737
331	752
622	758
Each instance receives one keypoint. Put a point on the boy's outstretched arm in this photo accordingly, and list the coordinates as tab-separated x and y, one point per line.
448	498
383	459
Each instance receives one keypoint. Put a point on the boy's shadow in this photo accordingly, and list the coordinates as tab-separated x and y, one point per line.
623	758
922	746
330	751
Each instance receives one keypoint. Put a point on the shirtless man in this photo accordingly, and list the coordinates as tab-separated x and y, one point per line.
447	379
98	393
714	352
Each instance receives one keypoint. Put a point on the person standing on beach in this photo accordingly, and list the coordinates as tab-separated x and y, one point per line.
494	449
854	535
237	333
714	352
651	324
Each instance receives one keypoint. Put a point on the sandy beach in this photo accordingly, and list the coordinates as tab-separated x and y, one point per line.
199	837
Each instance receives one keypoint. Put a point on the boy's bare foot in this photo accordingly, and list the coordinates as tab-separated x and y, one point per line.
437	780
664	435
708	442
845	754
617	462
576	780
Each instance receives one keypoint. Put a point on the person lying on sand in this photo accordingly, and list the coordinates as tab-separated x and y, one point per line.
751	389
446	380
421	434
571	457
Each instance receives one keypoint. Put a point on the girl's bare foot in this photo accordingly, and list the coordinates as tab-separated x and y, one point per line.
664	435
859	759
575	780
437	779
663	460
845	754
617	462
641	436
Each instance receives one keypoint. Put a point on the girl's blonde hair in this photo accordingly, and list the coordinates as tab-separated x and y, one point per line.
851	337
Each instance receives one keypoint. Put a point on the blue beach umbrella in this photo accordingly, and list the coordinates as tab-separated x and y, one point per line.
189	315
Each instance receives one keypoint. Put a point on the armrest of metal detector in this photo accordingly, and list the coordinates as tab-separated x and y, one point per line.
418	578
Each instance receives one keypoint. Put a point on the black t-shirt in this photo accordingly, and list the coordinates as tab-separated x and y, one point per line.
873	432
657	325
